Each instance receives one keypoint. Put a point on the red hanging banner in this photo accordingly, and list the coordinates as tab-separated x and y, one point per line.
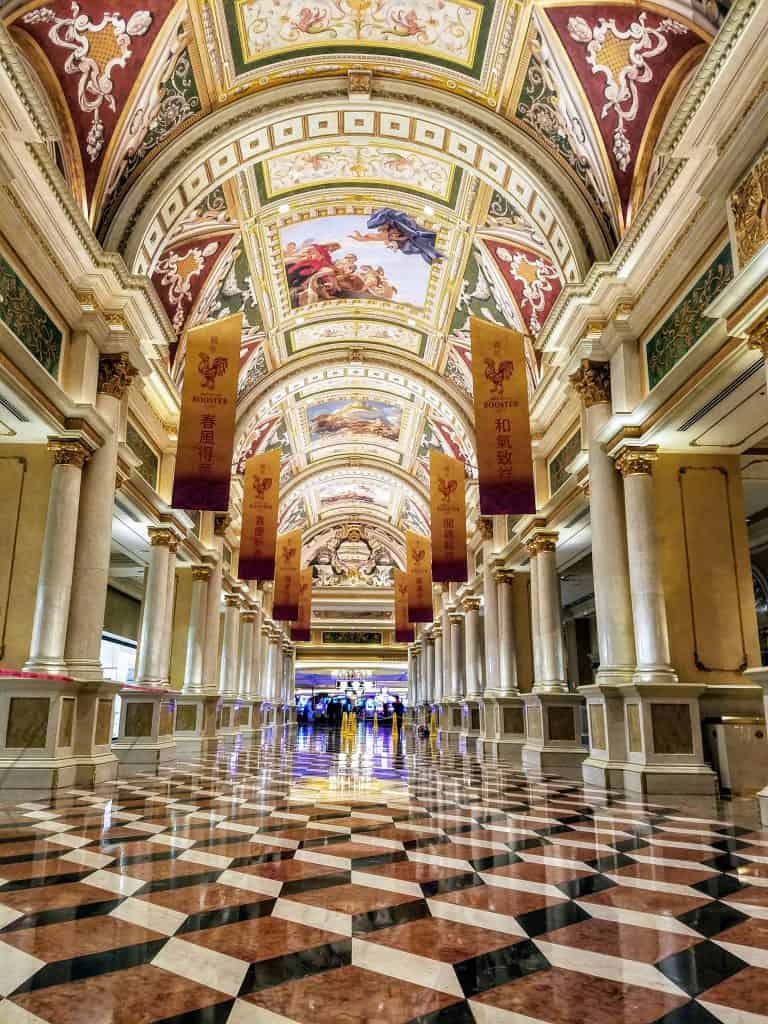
502	423
449	518
261	496
301	628
404	632
285	599
419	567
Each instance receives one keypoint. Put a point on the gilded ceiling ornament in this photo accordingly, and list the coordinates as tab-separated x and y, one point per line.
96	49
749	204
622	57
592	382
536	276
636	461
115	374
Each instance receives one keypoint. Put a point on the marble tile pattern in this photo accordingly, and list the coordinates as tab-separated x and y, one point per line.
294	881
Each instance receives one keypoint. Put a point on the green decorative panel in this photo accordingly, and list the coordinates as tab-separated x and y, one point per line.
687	323
149	459
343	636
558	473
24	315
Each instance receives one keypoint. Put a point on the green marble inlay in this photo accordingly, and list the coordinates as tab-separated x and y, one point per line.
24	315
343	636
558	474
149	459
687	323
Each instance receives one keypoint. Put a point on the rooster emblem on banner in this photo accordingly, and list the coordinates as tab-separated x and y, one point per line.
209	371
497	373
261	485
288	554
418	554
447	487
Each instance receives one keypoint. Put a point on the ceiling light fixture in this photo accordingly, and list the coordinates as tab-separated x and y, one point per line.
284	208
430	211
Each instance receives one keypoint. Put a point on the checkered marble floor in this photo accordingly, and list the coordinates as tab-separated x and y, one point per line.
304	880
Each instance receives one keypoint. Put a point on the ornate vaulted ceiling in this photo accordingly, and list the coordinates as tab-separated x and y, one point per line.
359	177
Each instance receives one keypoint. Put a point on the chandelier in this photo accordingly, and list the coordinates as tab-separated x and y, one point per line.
353	681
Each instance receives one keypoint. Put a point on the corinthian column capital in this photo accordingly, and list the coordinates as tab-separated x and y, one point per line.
116	373
592	383
636	461
68	452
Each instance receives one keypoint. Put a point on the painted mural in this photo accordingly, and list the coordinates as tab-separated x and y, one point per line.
365	416
384	256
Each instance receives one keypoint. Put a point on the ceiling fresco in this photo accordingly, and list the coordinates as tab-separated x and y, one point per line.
329	168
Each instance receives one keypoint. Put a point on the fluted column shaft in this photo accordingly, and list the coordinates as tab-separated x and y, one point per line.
170	594
230	666
193	669
94	526
610	562
411	661
211	669
648	601
490	610
245	656
550	626
437	636
534	588
54	584
150	670
429	667
456	622
473	671
507	647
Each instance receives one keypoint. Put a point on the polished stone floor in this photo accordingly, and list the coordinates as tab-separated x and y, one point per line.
313	880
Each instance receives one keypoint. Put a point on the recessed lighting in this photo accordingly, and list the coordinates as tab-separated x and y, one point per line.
284	208
300	320
430	211
411	322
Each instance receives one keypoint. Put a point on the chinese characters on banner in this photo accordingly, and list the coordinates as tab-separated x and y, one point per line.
207	427
404	632
300	629
285	599
261	494
449	518
502	421
418	553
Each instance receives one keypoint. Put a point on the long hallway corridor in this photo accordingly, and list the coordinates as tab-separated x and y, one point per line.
329	881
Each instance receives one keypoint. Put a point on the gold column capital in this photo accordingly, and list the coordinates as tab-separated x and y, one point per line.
592	382
69	451
248	616
201	572
116	373
160	537
470	604
455	618
758	337
221	523
636	461
505	576
232	600
542	542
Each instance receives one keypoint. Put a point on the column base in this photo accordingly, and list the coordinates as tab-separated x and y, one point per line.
145	740
647	739
553	734
195	724
227	720
503	728
470	720
449	722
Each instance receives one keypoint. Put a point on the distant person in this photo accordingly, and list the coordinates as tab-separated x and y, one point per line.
398	710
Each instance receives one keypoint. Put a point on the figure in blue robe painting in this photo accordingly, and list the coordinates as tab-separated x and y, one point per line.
401	233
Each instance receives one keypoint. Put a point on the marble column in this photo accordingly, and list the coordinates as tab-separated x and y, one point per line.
211	672
170	596
648	603
428	661
437	637
150	670
94	526
277	667
506	635
230	664
193	669
533	564
473	670
490	608
456	621
550	626
264	667
254	690
54	584
613	604
246	659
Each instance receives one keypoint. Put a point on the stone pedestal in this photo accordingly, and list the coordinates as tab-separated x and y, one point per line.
503	729
760	675
449	721
145	739
646	738
228	720
55	732
553	734
470	722
249	718
195	723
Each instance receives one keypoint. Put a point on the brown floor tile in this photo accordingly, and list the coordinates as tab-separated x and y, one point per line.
447	941
304	835
753	932
566	997
675	853
754	869
353	851
288	870
54	942
561	851
662	873
136	848
411	871
49	867
28	846
747	991
756	895
351	899
546	874
614	938
240	848
195	899
53	897
351	995
134	996
628	897
151	871
261	938
494	898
